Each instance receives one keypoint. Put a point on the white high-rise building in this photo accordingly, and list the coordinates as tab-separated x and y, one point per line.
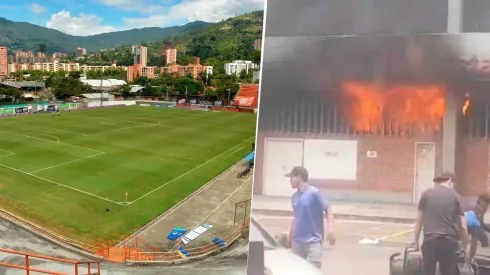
237	66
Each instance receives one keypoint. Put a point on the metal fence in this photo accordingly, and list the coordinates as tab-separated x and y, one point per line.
242	212
327	118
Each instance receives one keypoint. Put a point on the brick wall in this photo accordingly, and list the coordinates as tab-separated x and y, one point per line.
393	169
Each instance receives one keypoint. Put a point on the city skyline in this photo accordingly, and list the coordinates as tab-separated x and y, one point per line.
85	18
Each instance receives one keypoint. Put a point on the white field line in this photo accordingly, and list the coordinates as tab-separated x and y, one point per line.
236	150
59	184
68	162
180	204
193	169
10	153
68	131
219	206
57	139
67	144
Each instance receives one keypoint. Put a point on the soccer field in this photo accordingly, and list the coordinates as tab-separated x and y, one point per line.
63	172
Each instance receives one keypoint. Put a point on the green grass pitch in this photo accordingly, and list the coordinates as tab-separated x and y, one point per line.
63	172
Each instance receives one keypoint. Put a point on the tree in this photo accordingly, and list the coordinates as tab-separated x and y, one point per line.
226	84
256	57
210	93
185	60
11	95
67	86
189	85
75	74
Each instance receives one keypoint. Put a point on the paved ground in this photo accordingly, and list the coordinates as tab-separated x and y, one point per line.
387	212
348	256
213	204
231	262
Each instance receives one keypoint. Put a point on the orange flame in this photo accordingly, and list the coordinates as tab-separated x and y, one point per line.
370	105
466	105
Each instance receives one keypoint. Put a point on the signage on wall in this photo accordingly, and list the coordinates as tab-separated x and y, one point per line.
372	154
331	159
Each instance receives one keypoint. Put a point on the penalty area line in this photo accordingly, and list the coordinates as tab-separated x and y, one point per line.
59	184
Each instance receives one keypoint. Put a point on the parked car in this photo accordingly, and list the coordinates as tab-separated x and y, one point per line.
277	260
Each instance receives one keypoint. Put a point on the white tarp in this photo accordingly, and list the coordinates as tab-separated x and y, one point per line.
196	232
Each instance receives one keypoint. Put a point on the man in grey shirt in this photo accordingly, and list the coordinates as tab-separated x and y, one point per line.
442	219
307	231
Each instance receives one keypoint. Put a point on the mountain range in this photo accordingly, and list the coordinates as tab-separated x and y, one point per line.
26	36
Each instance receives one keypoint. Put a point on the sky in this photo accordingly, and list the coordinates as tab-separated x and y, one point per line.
89	17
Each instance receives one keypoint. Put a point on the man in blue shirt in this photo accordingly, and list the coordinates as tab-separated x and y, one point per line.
310	208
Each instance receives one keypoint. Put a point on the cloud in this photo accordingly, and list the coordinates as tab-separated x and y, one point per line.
83	24
195	10
142	6
36	8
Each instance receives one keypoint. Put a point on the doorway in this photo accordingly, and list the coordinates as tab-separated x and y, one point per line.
425	168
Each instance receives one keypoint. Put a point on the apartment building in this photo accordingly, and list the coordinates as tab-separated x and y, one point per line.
140	55
257	44
191	69
138	70
60	55
3	62
237	66
86	67
81	52
171	56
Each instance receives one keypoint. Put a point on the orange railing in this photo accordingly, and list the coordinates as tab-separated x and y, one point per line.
26	266
139	254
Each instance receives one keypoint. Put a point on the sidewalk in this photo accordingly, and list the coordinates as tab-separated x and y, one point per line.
382	212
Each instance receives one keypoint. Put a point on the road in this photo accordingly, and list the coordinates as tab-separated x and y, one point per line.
349	256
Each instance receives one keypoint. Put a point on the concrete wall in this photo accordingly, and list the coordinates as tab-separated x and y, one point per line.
112	103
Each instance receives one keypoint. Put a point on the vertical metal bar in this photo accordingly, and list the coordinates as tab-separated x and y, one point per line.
28	268
316	116
390	127
486	120
98	268
283	121
76	268
89	269
295	127
234	217
302	116
334	120
321	118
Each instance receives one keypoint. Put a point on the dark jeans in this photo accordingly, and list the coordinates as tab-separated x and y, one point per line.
443	251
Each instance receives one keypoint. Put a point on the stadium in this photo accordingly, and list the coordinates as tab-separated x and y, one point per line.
135	182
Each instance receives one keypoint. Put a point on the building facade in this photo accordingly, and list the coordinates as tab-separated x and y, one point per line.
140	55
258	44
171	56
3	62
237	66
368	142
80	52
191	69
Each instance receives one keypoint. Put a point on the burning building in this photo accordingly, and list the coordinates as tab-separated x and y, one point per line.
374	118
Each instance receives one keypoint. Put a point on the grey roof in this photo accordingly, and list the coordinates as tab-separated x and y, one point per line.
95	95
23	84
135	88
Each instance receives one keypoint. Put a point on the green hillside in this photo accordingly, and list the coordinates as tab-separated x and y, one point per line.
26	36
215	44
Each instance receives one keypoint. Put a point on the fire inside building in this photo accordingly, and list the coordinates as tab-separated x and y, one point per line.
374	118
